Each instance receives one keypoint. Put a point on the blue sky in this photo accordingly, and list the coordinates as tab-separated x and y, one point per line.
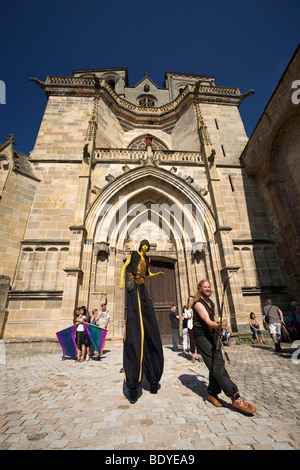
244	44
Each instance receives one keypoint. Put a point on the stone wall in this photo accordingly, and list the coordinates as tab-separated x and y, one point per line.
63	129
52	212
271	157
15	205
226	130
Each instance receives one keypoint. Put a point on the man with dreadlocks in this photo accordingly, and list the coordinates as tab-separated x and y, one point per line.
206	331
142	351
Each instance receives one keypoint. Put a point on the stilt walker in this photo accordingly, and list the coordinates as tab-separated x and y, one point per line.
142	351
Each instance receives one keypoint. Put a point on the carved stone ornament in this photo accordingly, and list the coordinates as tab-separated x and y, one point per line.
189	179
110	178
151	158
101	247
199	248
212	156
203	192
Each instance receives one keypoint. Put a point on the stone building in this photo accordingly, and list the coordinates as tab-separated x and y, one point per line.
114	164
272	158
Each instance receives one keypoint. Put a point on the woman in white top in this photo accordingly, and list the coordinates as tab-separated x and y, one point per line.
82	342
188	313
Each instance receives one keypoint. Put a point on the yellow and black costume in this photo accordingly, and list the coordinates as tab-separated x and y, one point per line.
142	351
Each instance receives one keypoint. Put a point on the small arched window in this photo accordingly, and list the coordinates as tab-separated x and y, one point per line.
147	101
111	83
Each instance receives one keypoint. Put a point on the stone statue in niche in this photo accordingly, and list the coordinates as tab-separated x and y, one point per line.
148	140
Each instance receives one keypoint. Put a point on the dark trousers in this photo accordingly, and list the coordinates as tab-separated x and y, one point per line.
192	341
175	336
218	376
142	352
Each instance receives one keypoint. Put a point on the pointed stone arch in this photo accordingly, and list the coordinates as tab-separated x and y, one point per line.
134	182
145	195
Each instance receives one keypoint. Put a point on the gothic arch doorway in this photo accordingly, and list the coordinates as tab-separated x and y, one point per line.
150	203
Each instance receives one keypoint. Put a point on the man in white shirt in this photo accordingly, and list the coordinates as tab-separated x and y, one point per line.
103	317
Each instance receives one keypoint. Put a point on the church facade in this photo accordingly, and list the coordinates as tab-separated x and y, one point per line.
114	164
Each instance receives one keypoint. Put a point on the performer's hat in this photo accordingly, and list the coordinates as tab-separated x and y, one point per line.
144	242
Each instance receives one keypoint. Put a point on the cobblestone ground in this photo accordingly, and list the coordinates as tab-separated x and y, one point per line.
48	404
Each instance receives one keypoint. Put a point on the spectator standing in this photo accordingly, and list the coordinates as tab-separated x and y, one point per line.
103	317
275	320
185	334
174	317
82	342
95	316
188	312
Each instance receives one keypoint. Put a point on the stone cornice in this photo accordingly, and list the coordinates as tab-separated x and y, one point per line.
139	156
39	241
35	294
89	86
130	115
253	241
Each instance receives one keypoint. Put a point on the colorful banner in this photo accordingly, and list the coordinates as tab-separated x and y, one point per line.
96	336
67	339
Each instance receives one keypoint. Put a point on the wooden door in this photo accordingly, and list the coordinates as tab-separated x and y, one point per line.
162	291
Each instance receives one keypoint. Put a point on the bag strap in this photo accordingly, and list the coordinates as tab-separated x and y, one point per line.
269	310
